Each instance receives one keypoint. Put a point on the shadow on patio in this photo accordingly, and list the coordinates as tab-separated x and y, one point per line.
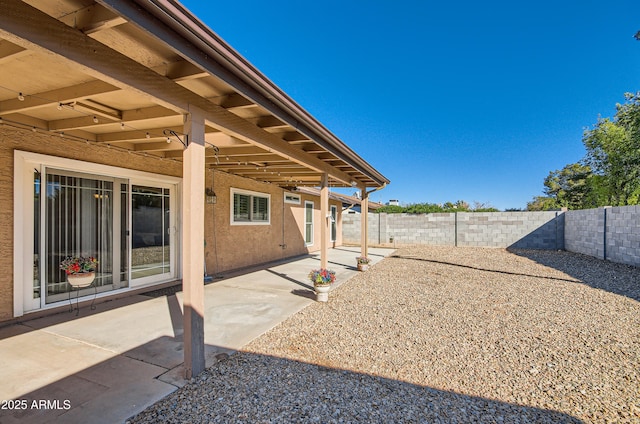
252	387
612	277
111	362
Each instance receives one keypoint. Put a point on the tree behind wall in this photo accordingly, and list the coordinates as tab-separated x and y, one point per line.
613	152
609	175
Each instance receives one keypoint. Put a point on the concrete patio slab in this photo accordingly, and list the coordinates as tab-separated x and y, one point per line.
108	364
34	359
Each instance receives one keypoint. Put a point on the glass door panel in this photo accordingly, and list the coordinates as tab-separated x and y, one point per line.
78	222
150	238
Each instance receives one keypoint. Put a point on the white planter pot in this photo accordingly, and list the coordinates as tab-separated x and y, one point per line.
322	293
81	280
363	267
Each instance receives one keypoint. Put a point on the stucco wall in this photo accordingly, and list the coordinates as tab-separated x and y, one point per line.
237	246
227	246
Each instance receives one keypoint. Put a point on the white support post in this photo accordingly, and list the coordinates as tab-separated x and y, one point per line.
324	221
192	242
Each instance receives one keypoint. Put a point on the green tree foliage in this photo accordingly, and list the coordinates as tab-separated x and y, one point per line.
613	152
390	209
569	187
542	203
448	207
609	175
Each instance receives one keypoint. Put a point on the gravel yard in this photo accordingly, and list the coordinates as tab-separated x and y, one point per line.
440	334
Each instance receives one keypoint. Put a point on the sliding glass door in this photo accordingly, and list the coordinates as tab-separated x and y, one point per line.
78	221
151	251
126	226
64	207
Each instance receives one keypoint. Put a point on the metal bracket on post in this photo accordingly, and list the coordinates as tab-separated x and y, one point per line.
172	133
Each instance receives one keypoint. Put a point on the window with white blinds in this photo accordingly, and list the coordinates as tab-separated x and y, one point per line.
249	207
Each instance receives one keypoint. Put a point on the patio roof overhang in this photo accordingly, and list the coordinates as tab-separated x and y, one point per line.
124	73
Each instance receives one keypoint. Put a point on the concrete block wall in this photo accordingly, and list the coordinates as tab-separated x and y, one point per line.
524	230
584	232
623	235
611	233
530	230
605	233
351	229
434	228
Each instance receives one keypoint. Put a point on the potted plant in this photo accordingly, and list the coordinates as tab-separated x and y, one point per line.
80	270
363	263
322	279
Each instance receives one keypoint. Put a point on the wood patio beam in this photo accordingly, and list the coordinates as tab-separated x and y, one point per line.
30	28
92	19
54	97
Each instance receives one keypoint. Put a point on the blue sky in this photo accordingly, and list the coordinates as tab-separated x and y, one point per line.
459	100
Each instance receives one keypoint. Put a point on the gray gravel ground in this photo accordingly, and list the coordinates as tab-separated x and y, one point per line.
435	334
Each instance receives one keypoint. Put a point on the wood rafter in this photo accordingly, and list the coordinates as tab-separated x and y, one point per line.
136	135
33	30
271	123
294	137
10	51
183	71
24	25
247	163
236	101
159	146
53	97
92	19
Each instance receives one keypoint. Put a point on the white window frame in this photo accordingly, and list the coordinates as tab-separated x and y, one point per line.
292	198
23	230
251	194
309	203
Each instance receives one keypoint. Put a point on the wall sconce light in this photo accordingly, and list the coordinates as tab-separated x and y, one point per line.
211	196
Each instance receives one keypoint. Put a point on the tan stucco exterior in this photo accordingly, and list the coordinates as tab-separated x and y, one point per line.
227	247
236	246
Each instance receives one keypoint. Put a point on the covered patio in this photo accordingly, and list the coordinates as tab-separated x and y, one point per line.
124	91
108	375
